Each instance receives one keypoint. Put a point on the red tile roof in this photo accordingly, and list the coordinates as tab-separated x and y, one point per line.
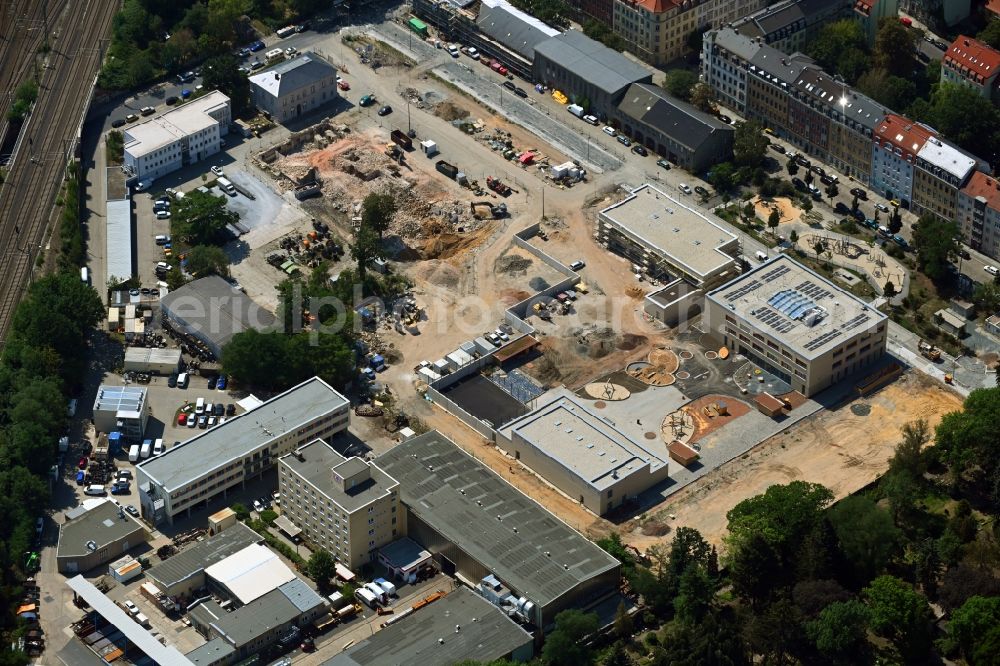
903	133
969	53
993	7
987	187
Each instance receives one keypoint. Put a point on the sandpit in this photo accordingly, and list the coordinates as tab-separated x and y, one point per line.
677	427
664	359
788	210
608	391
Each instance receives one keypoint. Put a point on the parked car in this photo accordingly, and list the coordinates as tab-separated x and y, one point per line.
170	101
217	170
509	85
589	119
639	149
95	490
212	382
257	506
520	92
385	110
700	190
132	510
256	46
185	77
992	270
685	188
130	607
798	183
163	214
131	118
778	148
726	119
881	207
221	383
624	140
182	419
230	409
218	409
192	421
117	122
577	265
859	193
202	421
343	85
663	163
609	130
147	111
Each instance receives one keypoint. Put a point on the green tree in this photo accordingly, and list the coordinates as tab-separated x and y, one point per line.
377	211
703	98
256	359
773	219
222	73
819	248
304	8
204	260
792	166
680	83
774	632
366	248
895	45
554	12
200	218
717	640
624	626
840	47
564	645
866	534
889	289
832	191
901	614
241	511
987	295
968	441
695	591
935	242
749	144
321	567
793	237
895	92
839	633
971	624
723	177
961	115
991	34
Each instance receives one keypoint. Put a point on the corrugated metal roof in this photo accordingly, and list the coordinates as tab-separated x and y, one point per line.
118	252
603	68
194	560
652	106
513	28
299	593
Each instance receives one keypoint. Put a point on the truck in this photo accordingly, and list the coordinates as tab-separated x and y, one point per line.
929	351
133	453
226	186
348	611
377	363
147	448
576	110
401	139
497	186
389	588
418	26
378	592
447	169
365	596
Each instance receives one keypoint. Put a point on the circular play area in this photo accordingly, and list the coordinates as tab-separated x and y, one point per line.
607	391
658	370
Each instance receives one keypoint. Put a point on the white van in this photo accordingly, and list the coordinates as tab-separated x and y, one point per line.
133	453
95	490
158	448
182	380
199	406
761	256
365	596
576	110
274	54
286	31
85	275
226	186
146	449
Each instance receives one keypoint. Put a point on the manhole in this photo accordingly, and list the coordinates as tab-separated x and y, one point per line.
600	404
861	409
683	374
650	435
711	355
686	355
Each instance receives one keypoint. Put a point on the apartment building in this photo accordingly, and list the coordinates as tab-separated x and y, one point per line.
870	12
930	12
202	469
895	146
294	87
796	324
348	506
978	213
940	171
972	63
185	134
788	25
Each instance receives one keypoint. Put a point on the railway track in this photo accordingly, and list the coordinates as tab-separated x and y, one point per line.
28	194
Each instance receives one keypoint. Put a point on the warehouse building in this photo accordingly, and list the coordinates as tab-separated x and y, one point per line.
673	129
121	409
668	238
516	30
587	457
190	475
347	506
213	311
294	87
155	361
185	134
477	526
183	574
96	532
587	72
796	324
472	629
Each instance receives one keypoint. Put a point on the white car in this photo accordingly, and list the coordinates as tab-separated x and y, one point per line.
290	51
609	130
881	208
217	170
590	119
163	214
683	187
130	607
257	506
992	270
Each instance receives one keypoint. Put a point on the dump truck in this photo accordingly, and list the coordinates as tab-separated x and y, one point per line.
401	139
497	186
392	150
447	169
929	351
484	209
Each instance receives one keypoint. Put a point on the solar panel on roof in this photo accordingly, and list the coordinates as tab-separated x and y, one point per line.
774	274
742	291
857	321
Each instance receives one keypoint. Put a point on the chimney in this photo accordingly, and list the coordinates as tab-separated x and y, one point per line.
276	76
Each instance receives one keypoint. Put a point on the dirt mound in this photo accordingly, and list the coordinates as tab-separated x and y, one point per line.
448	111
630	341
511	296
654	528
447	245
511	263
538	283
440	273
635	292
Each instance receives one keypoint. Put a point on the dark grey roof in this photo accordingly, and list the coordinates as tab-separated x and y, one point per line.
249	622
791	15
316	467
215	309
485	633
652	106
513	28
210	653
603	68
291	75
460	498
301	595
106	523
820	86
197	558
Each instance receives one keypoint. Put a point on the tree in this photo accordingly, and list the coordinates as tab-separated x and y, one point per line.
366	248
908	457
854	204
203	260
894	47
749	144
961	583
809	177
222	73
899	613
722	177
866	534
564	645
377	211
703	98
935	242
991	34
889	289
624	626
774	632
717	641
680	83
695	591
832	191
241	511
819	248
961	115
896	92
793	237
305	8
895	221
554	12
812	596
321	567
792	166
968	441
839	632
200	218
840	47
256	359
987	295
972	623
773	219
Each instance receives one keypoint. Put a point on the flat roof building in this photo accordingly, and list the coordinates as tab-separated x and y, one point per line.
249	574
121	409
185	134
94	533
472	629
668	238
118	243
213	311
797	324
475	524
585	456
295	87
586	70
206	466
184	573
152	360
513	28
348	506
